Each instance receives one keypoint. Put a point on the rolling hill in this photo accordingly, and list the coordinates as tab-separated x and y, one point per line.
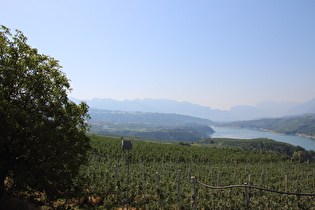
150	125
293	125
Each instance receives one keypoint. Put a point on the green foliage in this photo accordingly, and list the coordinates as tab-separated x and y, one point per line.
155	168
189	133
43	138
263	145
145	118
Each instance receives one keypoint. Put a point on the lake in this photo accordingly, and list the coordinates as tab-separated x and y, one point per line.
238	133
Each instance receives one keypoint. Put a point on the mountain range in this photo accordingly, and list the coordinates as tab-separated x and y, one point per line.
267	109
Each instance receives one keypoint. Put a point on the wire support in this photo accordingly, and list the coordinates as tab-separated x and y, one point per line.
253	187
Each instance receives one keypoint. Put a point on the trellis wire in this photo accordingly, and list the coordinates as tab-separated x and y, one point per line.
195	182
254	187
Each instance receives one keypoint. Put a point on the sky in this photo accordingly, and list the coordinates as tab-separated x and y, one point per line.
215	53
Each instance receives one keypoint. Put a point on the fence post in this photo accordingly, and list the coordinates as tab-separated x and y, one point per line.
116	172
219	179
118	182
143	179
286	183
195	192
246	196
188	174
178	187
297	188
159	188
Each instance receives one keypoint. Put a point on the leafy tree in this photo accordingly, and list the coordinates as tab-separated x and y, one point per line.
43	137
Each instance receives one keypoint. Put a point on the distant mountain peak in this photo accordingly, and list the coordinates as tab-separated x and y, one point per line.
306	108
266	109
161	106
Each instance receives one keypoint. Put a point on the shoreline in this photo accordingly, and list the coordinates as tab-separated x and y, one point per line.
304	135
296	134
271	131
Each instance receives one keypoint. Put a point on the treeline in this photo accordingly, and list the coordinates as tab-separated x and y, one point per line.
304	125
145	118
264	146
186	133
194	133
295	152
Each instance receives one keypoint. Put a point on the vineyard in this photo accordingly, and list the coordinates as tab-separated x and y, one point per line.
158	176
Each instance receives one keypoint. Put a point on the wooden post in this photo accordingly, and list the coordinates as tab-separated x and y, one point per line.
250	183
286	183
118	182
159	188
171	165
219	179
116	172
127	146
195	193
128	179
143	179
246	197
178	188
297	188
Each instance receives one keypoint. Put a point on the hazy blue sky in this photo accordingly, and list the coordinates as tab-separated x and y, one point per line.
216	53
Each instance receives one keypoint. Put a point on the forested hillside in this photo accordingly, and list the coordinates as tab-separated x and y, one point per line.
150	125
145	117
296	125
162	132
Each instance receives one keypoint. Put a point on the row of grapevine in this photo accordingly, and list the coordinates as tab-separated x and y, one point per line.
160	176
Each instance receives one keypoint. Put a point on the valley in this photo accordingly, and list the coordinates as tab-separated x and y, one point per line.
150	125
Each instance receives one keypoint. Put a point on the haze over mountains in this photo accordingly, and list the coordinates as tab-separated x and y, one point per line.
243	112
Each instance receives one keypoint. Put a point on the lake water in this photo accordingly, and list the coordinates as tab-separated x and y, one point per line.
238	133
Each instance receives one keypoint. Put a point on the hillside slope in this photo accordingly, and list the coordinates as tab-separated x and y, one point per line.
295	125
150	125
145	117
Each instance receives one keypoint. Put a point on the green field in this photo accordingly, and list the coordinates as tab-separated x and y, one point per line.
160	176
